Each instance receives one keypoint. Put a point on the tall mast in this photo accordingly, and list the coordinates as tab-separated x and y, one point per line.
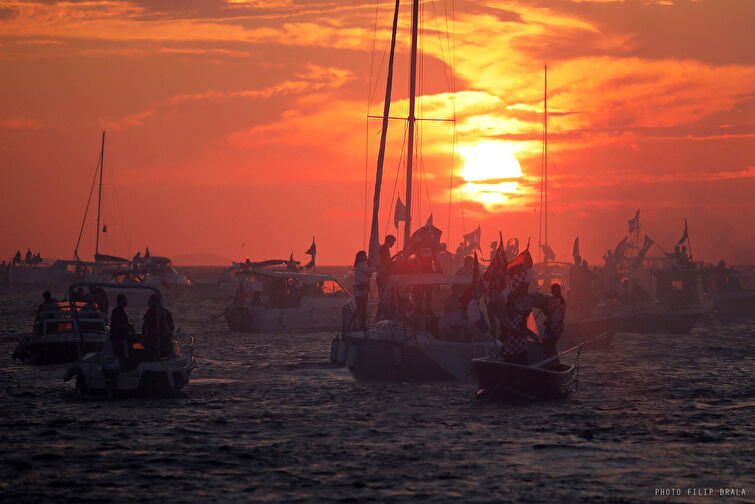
373	245
99	197
545	152
410	144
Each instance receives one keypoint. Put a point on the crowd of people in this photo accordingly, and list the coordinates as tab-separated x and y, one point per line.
507	312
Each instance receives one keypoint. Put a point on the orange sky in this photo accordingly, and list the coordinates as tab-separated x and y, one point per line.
244	121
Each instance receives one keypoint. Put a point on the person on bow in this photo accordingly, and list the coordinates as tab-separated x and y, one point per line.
49	303
362	275
554	309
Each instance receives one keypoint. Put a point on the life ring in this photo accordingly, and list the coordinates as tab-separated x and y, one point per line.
239	319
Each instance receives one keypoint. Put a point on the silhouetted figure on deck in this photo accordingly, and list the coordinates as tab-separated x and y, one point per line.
49	303
17	259
157	329
27	259
383	274
554	309
362	274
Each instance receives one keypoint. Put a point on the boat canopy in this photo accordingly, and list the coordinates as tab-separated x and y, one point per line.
100	258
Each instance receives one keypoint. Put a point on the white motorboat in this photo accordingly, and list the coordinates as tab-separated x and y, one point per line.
270	300
159	368
156	271
54	339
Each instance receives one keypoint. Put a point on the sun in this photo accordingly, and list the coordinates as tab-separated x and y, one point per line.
490	161
491	174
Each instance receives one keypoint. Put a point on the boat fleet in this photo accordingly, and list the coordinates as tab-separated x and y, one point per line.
426	315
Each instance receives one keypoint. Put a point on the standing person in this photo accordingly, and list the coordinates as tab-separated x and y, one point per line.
27	259
383	273
157	329
554	308
576	286
119	329
362	274
587	290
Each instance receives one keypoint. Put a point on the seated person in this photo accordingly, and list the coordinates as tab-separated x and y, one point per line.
50	303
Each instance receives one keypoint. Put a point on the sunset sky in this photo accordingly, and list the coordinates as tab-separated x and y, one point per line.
245	121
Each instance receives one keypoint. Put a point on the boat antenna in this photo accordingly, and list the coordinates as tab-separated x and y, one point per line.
373	245
99	198
412	119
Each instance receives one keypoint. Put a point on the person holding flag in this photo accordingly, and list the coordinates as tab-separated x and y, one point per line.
554	309
517	310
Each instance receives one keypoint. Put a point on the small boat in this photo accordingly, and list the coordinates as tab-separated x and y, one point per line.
157	271
286	300
102	372
505	380
54	340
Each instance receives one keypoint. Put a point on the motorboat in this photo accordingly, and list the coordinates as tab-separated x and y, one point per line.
282	300
163	368
54	340
158	271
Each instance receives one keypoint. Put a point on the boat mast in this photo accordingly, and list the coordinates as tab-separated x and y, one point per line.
99	198
543	224
545	151
410	144
373	245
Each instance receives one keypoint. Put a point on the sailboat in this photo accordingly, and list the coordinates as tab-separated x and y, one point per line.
54	274
414	341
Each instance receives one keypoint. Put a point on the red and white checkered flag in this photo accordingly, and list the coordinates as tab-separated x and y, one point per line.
520	270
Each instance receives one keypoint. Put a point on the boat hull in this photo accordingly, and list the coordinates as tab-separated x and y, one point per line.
387	360
41	352
501	380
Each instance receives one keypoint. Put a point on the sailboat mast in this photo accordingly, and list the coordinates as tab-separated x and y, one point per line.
99	197
545	152
412	119
374	231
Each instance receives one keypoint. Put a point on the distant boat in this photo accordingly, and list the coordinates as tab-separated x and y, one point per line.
284	300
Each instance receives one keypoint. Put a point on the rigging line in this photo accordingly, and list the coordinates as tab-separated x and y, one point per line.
367	132
374	82
440	44
395	182
86	209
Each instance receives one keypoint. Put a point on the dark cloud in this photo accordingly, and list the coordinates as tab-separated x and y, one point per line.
717	32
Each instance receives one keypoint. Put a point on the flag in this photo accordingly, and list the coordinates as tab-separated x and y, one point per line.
549	254
575	248
520	270
634	223
146	252
427	235
685	236
312	250
620	249
473	239
104	228
645	247
469	299
495	275
399	214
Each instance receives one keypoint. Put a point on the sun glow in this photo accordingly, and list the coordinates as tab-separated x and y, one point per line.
491	174
490	161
